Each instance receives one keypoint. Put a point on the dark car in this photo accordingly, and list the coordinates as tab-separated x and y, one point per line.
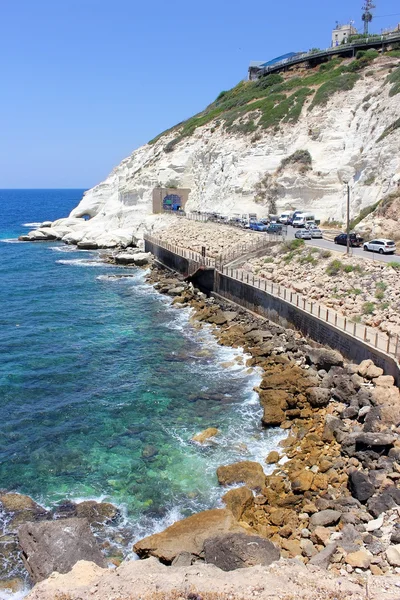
274	228
354	238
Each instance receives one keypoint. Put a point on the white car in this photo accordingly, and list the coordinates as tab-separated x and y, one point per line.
303	234
316	233
380	245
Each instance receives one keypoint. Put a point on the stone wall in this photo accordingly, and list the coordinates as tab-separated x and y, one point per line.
288	315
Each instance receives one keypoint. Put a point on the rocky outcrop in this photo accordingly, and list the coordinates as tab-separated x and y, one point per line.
248	472
57	546
188	535
238	551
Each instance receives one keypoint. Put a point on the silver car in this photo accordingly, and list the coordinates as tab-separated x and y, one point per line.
316	233
303	234
381	245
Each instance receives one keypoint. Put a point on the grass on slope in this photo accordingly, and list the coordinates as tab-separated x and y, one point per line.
394	78
272	99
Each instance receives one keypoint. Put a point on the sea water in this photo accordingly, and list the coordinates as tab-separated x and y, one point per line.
103	382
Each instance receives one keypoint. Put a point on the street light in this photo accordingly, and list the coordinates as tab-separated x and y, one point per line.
346	176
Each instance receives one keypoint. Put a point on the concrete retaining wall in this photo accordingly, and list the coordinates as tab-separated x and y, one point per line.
288	315
168	258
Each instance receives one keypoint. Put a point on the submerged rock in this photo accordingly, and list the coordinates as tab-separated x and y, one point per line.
57	546
205	435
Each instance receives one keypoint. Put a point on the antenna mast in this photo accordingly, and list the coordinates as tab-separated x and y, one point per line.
367	15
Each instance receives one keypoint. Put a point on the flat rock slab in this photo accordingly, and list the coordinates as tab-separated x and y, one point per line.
188	535
56	546
237	551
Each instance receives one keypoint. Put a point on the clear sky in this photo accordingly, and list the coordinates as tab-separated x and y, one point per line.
85	82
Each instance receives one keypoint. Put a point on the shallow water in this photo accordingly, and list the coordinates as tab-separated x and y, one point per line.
103	382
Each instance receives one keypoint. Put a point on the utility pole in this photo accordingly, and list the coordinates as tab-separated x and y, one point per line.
348	219
367	15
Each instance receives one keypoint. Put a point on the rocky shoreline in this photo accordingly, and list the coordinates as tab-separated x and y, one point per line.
332	501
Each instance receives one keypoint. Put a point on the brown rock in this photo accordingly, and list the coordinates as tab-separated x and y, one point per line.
188	535
21	508
272	458
320	482
237	551
248	472
388	400
96	512
205	435
384	381
321	535
238	501
293	547
360	559
302	481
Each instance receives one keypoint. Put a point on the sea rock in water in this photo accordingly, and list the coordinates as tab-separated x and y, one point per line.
188	535
237	551
21	508
248	472
56	546
205	435
97	512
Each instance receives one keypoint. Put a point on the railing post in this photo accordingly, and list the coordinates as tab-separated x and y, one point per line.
355	329
376	340
327	315
297	303
388	345
335	319
345	323
397	345
291	297
319	311
304	303
365	334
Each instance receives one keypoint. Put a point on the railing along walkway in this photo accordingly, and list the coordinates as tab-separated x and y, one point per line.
380	340
184	252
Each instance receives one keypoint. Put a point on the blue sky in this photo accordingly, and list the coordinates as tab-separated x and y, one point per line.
85	82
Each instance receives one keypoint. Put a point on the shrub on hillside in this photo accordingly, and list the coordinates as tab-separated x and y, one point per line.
344	82
300	156
334	267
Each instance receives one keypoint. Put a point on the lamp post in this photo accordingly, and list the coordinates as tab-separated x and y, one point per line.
348	219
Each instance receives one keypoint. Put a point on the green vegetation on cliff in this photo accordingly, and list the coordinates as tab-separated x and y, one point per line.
272	100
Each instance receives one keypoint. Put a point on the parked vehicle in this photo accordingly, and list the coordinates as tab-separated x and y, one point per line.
355	240
316	233
381	245
286	217
247	219
301	219
275	228
258	226
303	234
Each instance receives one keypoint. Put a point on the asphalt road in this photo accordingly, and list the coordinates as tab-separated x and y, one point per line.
328	245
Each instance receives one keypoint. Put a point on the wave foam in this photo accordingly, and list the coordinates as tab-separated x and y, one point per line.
31	224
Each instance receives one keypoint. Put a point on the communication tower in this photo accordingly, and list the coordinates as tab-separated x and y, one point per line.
367	15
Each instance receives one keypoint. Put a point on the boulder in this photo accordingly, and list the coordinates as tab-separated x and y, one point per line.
325	517
384	381
21	508
360	559
318	397
360	486
205	435
388	401
188	535
272	458
302	481
237	551
87	245
333	428
364	366
56	546
238	501
323	558
324	358
139	258
97	512
393	555
359	441
389	498
372	372
248	472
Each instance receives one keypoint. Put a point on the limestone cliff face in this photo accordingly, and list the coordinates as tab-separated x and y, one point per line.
222	169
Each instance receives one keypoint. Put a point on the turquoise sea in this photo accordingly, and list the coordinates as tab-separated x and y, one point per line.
103	382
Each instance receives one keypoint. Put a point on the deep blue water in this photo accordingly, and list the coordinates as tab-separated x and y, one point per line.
103	382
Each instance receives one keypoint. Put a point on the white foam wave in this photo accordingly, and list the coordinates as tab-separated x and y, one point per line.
63	248
83	262
31	224
11	241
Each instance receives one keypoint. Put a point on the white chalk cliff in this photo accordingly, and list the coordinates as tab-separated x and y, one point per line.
222	169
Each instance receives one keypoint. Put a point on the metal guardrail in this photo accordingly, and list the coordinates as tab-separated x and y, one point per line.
390	344
343	48
191	255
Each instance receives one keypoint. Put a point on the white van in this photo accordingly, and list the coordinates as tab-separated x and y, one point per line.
285	217
301	219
